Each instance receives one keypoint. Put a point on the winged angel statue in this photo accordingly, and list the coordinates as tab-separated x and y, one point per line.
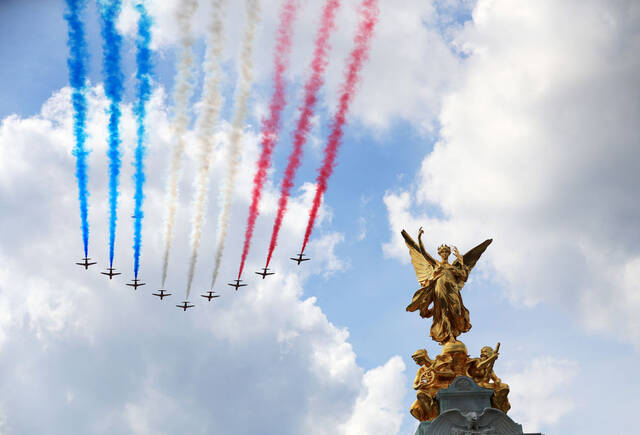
439	297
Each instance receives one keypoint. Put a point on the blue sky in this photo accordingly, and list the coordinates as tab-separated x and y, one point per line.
510	120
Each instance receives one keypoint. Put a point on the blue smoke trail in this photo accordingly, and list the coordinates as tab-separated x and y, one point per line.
113	85
77	61
143	75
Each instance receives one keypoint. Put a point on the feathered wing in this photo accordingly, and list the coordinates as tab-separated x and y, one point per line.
448	421
423	265
472	257
499	421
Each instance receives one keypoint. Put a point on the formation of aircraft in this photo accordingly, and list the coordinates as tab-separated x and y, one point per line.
210	295
162	294
299	259
237	284
135	284
185	305
85	262
111	272
264	272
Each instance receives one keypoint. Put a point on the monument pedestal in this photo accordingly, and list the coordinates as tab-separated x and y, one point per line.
465	409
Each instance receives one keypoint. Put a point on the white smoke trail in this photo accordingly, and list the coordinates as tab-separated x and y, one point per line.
234	146
211	102
181	96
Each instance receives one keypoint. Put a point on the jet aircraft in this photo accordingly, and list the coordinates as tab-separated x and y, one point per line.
85	263
299	259
135	284
211	294
237	284
111	272
185	305
264	272
162	294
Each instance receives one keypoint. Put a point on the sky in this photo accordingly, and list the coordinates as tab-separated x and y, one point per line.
511	120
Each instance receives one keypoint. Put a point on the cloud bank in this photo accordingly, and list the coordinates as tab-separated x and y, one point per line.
538	149
97	357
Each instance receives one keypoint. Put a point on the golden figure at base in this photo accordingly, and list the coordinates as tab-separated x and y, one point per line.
481	370
425	407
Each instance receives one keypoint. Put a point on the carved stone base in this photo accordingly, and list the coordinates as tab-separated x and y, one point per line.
465	410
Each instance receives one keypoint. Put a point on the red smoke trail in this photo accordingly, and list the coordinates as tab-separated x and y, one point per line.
360	52
270	126
311	88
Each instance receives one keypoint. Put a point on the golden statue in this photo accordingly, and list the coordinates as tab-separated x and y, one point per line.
439	298
481	370
425	407
441	284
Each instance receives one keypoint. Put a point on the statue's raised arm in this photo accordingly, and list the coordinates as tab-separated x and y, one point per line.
422	262
441	282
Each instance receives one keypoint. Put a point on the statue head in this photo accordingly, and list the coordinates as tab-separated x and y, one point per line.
486	351
420	356
444	251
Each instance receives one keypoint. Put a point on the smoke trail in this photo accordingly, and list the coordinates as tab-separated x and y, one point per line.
271	126
181	96
143	75
77	77
311	88
369	18
211	102
240	107
113	85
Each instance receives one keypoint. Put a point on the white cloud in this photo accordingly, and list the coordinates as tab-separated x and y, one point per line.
4	429
538	149
97	355
538	394
410	67
378	409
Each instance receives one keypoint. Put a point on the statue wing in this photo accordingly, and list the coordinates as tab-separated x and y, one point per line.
472	257
422	263
450	420
499	421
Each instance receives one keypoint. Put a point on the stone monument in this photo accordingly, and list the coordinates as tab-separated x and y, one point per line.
455	394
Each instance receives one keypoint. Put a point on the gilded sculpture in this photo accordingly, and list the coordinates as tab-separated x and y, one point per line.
425	407
439	297
441	281
481	370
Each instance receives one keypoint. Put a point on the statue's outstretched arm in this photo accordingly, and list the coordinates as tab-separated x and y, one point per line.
458	256
422	250
415	248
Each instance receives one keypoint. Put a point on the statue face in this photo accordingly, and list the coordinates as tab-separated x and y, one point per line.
444	251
